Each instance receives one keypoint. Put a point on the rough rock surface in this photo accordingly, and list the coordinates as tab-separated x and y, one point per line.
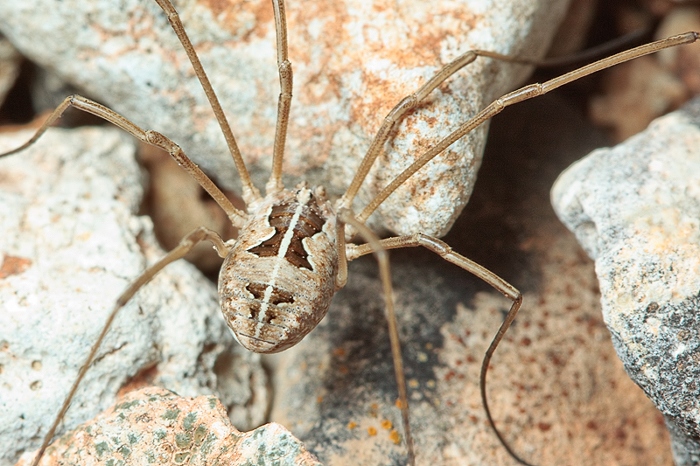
353	61
635	209
70	244
155	425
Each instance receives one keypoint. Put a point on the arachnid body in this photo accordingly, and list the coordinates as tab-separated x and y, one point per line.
287	227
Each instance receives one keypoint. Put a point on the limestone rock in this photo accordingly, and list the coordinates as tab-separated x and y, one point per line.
353	61
635	208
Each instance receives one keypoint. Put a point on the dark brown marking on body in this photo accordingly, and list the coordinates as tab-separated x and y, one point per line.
310	222
278	296
254	310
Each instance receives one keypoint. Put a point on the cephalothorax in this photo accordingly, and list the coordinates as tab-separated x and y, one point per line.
291	255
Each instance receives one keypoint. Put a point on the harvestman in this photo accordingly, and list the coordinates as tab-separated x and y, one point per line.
291	254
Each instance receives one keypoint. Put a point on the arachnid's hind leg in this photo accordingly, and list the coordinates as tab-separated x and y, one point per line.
443	250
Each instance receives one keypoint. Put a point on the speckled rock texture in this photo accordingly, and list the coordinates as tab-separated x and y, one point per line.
635	209
352	60
71	242
153	425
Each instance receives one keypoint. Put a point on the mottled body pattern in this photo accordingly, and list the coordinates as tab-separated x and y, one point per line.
277	282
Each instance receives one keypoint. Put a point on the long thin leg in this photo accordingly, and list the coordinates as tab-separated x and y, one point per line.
284	68
443	250
408	103
149	137
187	243
374	245
519	95
250	192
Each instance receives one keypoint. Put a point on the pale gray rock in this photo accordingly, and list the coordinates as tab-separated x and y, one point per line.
635	209
353	61
71	242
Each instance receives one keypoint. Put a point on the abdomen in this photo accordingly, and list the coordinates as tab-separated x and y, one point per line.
278	281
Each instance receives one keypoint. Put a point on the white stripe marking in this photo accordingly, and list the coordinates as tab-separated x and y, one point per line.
303	198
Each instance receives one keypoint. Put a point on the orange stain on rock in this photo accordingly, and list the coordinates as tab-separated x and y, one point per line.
13	265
